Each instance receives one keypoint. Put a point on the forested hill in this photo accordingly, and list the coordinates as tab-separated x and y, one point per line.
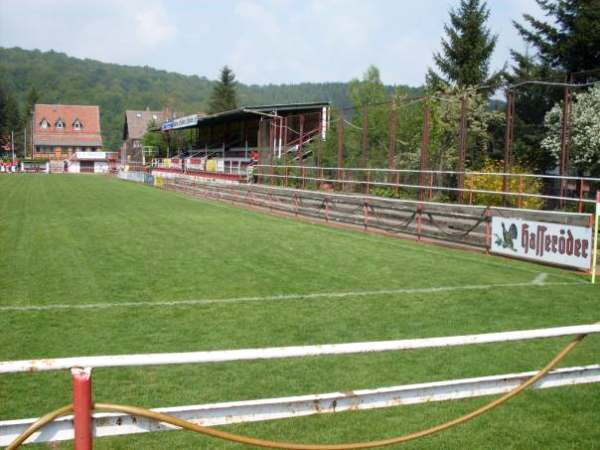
115	88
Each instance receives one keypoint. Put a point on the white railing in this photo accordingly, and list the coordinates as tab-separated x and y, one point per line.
517	187
111	424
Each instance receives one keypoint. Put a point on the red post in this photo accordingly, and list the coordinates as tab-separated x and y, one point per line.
82	407
462	135
424	149
419	209
340	149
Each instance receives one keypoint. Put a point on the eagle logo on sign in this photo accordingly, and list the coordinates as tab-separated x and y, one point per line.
508	238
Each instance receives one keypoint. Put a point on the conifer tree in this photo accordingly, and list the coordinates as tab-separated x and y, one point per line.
223	96
467	49
570	39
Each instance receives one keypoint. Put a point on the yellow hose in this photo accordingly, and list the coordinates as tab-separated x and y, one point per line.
142	412
39	424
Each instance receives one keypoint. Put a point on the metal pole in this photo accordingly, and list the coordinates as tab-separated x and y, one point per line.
82	407
340	147
565	140
301	153
595	249
365	145
392	142
508	140
285	152
424	147
462	147
12	143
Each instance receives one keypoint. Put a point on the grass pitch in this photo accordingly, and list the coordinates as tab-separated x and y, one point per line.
134	252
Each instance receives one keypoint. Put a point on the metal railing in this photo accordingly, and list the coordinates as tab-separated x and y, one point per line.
112	424
513	189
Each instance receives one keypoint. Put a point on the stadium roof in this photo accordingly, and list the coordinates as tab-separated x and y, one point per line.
240	113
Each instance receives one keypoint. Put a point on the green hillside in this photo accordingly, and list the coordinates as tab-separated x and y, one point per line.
115	88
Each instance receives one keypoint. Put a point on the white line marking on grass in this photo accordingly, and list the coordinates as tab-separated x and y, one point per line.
540	280
313	296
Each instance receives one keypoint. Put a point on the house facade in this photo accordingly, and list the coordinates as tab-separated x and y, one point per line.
69	137
134	127
59	131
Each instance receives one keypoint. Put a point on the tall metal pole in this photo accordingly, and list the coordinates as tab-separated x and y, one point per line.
424	163
340	147
365	144
508	139
301	152
462	147
12	143
392	142
565	140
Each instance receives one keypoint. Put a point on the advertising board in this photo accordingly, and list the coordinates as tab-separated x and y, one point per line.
552	243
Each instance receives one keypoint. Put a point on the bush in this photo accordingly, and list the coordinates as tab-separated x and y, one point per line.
516	184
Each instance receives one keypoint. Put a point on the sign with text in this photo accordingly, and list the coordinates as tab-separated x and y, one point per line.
91	155
542	241
182	122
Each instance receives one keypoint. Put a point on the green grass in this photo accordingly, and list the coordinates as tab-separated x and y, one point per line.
91	239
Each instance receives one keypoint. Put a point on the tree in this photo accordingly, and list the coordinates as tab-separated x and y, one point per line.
32	98
368	95
445	128
585	132
532	102
10	119
570	39
223	96
467	50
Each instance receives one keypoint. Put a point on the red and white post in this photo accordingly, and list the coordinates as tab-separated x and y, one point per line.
82	407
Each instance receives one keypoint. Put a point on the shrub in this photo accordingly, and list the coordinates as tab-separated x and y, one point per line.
516	184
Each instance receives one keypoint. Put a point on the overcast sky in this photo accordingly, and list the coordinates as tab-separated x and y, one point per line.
264	41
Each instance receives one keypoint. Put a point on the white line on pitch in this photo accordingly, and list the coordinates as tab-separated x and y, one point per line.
540	279
313	296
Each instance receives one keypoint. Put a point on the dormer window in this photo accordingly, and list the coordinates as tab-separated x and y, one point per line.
44	124
77	125
59	124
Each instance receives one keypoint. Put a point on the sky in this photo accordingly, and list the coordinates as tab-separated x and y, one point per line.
263	41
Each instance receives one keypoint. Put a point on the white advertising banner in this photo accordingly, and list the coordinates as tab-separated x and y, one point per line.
180	123
91	155
542	241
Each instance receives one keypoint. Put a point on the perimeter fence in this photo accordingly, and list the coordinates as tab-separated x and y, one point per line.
94	420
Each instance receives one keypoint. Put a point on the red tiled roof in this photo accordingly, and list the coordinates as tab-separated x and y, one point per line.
88	116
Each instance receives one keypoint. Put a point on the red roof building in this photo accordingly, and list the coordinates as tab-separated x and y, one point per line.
61	130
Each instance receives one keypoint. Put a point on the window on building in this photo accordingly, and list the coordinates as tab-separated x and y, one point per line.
59	124
44	124
77	125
